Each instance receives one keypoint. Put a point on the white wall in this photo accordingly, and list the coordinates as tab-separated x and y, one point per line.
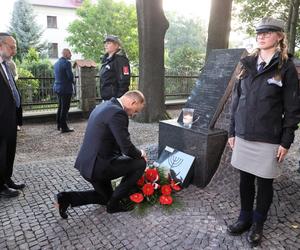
51	35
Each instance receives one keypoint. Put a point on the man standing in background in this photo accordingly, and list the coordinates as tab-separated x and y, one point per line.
63	87
9	103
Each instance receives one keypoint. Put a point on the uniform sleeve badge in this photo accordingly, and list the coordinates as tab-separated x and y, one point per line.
125	70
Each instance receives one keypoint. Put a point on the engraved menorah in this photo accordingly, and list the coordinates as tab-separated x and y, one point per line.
175	162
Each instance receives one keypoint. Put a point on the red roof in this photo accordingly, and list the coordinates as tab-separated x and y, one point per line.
71	4
84	63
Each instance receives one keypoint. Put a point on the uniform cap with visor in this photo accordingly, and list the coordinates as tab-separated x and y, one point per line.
112	38
269	24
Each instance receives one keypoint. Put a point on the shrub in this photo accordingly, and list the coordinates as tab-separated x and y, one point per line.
27	87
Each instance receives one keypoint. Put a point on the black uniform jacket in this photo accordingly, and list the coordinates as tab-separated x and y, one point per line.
265	108
114	76
106	137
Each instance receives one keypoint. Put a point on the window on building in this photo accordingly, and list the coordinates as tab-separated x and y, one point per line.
53	50
51	22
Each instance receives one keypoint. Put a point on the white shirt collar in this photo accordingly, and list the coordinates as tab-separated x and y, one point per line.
119	100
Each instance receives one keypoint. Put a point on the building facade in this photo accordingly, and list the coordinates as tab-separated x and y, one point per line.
54	16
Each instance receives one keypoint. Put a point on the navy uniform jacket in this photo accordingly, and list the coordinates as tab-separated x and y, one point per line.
263	108
8	126
114	76
106	138
63	77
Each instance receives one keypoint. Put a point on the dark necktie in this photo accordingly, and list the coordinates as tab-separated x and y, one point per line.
12	85
261	67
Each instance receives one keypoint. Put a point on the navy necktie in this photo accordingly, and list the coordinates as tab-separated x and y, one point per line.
12	85
261	67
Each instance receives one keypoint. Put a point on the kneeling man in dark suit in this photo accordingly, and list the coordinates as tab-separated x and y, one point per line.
107	153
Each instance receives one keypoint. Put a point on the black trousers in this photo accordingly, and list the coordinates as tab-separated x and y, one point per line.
64	101
264	195
7	157
130	169
20	116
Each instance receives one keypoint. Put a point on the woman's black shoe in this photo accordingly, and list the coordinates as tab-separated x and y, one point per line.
255	234
62	204
239	227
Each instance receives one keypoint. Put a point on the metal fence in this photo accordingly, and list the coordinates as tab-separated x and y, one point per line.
37	93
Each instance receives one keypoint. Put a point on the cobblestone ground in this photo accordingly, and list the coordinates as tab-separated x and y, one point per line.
45	161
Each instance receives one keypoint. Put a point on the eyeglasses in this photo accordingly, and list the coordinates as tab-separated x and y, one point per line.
264	34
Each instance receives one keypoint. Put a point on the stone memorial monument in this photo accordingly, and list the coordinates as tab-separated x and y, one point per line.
211	94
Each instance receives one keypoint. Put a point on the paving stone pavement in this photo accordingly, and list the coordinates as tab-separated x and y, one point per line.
45	160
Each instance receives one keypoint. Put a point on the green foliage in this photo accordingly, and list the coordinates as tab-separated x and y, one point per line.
249	12
39	67
25	29
185	32
32	55
97	20
28	87
185	45
297	54
186	60
184	54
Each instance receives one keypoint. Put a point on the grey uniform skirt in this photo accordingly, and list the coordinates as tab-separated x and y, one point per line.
257	158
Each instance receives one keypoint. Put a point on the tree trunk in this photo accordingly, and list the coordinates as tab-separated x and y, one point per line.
289	20
219	25
293	26
152	27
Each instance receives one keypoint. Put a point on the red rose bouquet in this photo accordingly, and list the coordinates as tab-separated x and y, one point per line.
155	188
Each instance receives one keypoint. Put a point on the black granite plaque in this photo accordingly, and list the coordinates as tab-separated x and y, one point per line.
211	85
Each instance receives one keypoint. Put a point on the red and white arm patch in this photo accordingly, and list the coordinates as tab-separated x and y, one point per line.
125	70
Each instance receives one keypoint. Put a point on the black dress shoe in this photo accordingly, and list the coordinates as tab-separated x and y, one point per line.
13	185
238	227
62	203
58	127
8	192
67	130
255	234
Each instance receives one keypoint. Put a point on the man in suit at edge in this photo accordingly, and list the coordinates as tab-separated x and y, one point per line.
9	102
63	87
107	153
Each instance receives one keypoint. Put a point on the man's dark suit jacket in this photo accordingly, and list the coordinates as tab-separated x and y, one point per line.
63	77
106	138
8	126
